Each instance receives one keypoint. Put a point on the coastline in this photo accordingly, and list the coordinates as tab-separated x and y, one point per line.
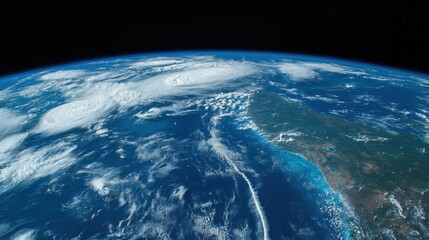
369	175
292	163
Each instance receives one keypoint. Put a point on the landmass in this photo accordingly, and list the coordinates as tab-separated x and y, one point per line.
382	175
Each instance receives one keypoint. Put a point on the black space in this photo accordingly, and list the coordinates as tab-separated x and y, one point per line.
40	33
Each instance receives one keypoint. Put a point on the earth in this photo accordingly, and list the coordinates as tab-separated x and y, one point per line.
214	145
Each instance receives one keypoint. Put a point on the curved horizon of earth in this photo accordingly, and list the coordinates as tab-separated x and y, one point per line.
214	145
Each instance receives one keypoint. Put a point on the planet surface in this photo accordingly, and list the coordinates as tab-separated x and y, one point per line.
214	145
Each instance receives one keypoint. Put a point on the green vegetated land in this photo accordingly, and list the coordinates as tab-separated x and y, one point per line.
383	175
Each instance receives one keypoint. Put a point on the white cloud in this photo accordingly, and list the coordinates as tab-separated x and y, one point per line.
99	185
326	67
298	71
63	74
350	86
108	76
79	113
30	165
200	79
176	109
302	71
11	142
324	99
151	113
394	201
154	62
10	121
25	234
205	78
